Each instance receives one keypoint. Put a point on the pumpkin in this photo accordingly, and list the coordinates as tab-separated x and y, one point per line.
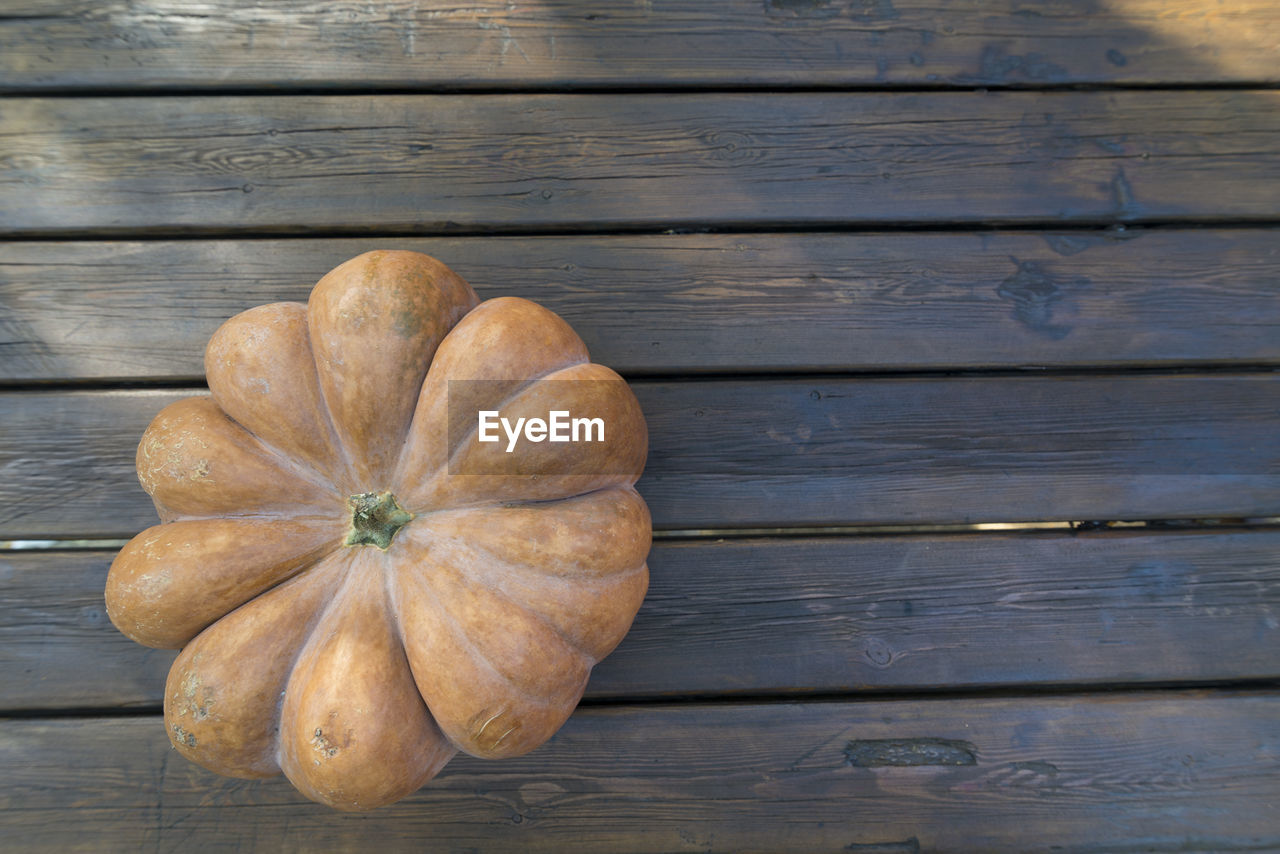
360	587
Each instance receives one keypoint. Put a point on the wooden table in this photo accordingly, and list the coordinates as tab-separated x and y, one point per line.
956	326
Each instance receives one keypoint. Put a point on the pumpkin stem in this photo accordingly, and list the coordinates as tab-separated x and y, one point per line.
375	518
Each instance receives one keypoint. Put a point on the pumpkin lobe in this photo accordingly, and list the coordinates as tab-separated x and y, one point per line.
375	518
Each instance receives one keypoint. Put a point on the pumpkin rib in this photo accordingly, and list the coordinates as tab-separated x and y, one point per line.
375	739
534	719
260	364
350	486
625	490
288	462
138	597
614	584
480	545
579	564
375	321
479	655
455	629
535	502
344	454
500	590
336	519
330	549
317	617
518	337
343	559
490	503
303	470
568	582
453	451
436	490
515	393
193	459
183	694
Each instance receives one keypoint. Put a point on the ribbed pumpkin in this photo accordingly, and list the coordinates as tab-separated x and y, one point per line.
353	603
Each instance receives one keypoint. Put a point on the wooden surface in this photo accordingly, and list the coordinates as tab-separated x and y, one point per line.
763	453
1145	772
579	162
68	44
896	264
901	613
654	304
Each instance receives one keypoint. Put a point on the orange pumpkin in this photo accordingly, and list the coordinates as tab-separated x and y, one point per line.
360	586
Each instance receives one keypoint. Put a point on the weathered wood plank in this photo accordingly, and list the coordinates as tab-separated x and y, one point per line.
822	451
1130	772
777	616
657	303
432	163
431	43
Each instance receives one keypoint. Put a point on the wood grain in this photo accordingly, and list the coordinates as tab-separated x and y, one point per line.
588	162
430	43
694	303
787	616
853	167
1127	772
820	451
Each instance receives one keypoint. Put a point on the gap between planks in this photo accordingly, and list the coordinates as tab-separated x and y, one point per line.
462	89
197	384
1116	225
1103	226
678	534
1189	689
